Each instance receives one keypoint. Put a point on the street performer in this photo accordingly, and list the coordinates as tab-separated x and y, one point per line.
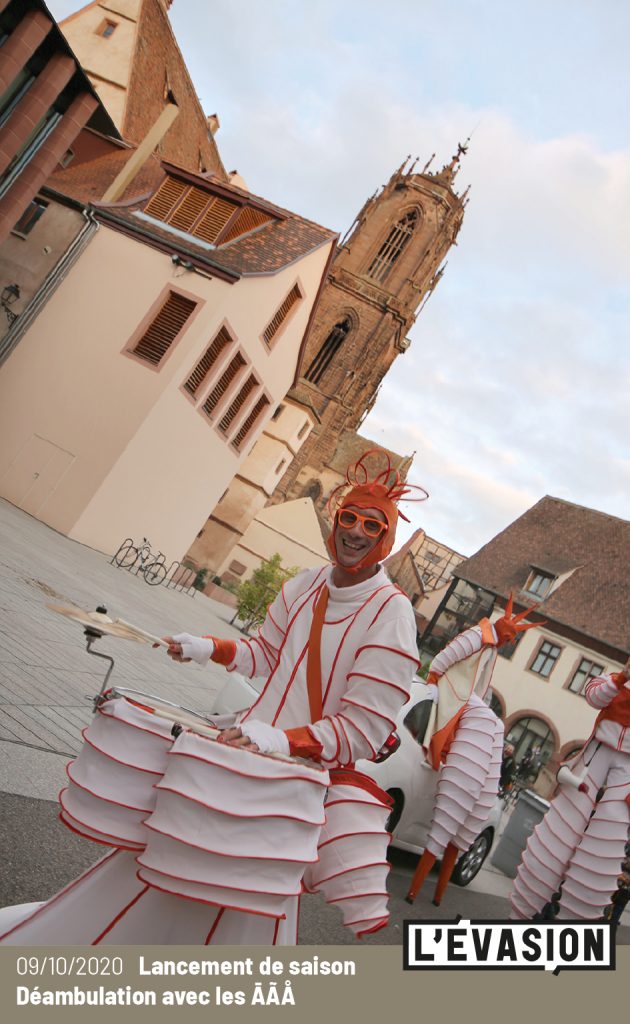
466	744
338	651
573	859
230	837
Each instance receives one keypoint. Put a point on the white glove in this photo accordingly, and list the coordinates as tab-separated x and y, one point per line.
267	738
198	648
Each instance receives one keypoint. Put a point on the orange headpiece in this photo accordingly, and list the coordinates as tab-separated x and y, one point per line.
382	490
508	626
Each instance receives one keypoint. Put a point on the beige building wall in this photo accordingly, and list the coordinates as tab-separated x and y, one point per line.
526	693
256	480
107	60
101	446
290	530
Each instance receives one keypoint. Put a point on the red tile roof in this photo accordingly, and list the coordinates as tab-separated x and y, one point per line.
557	537
265	250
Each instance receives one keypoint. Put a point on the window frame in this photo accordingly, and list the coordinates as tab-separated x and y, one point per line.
215	370
42	205
301	295
151	316
538	651
577	668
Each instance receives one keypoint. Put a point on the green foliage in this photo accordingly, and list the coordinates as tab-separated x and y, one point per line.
256	594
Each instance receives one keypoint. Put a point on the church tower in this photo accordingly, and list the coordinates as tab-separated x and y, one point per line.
384	270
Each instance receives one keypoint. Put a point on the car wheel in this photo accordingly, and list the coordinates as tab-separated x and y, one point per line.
397	809
469	865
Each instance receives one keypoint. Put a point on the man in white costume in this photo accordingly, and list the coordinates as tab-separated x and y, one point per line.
338	651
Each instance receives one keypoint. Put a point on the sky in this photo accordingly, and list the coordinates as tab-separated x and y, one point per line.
517	382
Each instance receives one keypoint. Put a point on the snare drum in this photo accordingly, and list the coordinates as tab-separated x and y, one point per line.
111	784
233	827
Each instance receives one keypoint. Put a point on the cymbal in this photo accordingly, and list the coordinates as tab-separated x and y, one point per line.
104	624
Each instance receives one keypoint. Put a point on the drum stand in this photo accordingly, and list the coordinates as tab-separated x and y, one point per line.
92	634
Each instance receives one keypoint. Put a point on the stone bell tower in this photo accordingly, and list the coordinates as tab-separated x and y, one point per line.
384	271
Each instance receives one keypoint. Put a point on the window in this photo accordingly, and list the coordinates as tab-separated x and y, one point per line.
392	247
218	392
534	737
507	650
35	140
586	670
196	380
250	385
281	314
237	568
250	421
67	158
539	583
303	429
278	412
247	220
201	213
281	465
159	336
106	29
12	95
546	658
329	349
29	218
417	719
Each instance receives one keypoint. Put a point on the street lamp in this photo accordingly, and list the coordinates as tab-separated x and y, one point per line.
9	294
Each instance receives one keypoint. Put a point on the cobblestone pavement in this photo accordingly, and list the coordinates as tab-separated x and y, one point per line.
46	675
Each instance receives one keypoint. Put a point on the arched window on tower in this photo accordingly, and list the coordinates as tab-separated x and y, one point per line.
329	349
392	247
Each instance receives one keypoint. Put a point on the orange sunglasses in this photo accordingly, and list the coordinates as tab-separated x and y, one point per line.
371	527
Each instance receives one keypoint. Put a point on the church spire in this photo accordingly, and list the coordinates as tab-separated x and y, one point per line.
448	172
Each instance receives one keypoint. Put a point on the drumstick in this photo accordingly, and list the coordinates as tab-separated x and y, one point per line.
212	733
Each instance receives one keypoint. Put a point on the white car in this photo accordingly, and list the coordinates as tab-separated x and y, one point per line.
405	775
412	783
237	693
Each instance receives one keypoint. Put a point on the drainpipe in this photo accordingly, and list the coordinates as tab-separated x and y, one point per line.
49	286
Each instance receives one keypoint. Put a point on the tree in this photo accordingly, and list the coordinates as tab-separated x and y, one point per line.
256	594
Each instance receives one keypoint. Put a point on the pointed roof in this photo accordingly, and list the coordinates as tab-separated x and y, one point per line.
557	537
137	69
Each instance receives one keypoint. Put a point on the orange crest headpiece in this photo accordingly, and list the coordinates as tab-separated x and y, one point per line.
382	489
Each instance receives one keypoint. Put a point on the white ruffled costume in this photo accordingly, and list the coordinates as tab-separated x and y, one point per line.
240	884
580	841
466	746
469	778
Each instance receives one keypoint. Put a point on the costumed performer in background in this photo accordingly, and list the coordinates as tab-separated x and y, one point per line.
466	744
574	857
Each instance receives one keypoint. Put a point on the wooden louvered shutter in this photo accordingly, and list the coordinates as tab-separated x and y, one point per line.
213	222
237	441
168	194
238	403
247	220
161	333
191	207
281	314
207	361
218	392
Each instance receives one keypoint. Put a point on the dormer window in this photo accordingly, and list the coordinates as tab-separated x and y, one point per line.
539	583
210	216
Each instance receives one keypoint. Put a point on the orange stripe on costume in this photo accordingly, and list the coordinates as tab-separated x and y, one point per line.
302	743
441	741
224	650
